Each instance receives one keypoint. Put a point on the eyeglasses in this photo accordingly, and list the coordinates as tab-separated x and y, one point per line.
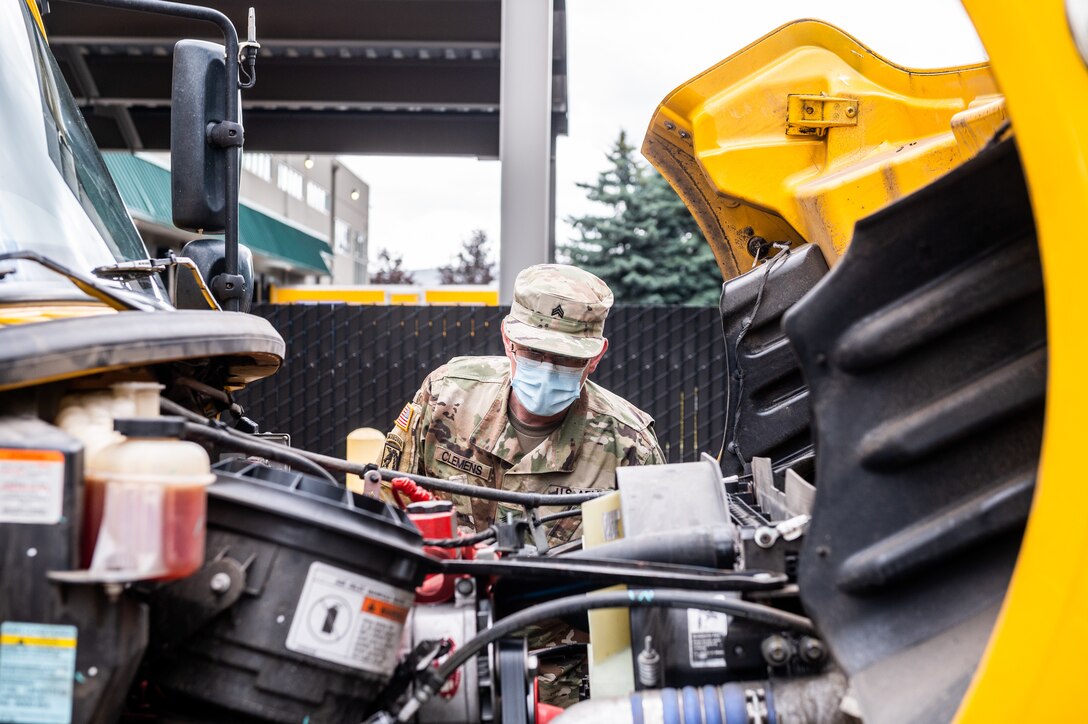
556	359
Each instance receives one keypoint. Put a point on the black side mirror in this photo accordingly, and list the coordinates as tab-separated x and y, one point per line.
200	141
209	256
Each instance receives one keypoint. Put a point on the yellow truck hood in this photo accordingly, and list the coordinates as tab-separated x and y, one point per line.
805	131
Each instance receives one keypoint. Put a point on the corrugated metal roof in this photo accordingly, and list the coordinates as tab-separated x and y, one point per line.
145	189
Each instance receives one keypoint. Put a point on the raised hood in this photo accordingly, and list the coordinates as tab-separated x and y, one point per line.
805	131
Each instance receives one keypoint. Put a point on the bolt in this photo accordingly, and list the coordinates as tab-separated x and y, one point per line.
776	650
281	618
669	125
758	246
813	650
220	582
765	537
851	111
823	551
809	110
684	134
465	586
31	552
92	671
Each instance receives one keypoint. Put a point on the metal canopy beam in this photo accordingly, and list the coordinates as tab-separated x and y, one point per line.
331	132
306	82
372	76
471	21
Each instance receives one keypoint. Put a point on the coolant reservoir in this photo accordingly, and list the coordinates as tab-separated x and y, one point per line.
89	416
145	503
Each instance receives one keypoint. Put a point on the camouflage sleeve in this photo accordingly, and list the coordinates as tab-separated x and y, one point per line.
653	454
404	442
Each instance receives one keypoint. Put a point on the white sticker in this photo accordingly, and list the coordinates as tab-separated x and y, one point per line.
31	486
349	619
612	524
706	638
37	668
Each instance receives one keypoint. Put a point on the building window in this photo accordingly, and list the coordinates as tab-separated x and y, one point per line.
289	180
317	197
341	245
258	164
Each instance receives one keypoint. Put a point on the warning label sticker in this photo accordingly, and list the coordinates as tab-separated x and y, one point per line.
706	638
31	486
349	619
37	668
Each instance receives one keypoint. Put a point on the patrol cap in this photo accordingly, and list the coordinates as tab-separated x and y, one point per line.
560	309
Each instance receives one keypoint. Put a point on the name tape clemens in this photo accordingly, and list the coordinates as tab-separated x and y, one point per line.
465	465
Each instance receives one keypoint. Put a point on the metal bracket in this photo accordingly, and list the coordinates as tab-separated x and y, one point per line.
812	115
225	134
229	286
183	606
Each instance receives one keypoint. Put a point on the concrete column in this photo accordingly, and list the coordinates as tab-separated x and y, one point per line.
525	139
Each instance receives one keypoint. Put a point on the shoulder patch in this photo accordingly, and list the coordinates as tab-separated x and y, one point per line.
404	419
391	453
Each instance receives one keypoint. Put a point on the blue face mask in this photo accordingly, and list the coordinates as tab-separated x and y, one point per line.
545	389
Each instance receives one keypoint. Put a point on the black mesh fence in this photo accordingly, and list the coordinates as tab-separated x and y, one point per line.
355	366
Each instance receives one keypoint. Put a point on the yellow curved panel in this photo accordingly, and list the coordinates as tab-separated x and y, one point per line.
805	131
1033	668
31	313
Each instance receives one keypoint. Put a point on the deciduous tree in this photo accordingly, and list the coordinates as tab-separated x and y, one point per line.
390	271
472	265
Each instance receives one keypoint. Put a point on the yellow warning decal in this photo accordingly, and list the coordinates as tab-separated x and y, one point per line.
56	643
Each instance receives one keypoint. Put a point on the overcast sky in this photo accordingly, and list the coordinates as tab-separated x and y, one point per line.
624	57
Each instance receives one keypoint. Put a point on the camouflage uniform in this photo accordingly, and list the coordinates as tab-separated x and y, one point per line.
457	427
463	432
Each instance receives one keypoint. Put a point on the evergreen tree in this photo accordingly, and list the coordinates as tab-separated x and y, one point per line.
645	244
389	271
473	266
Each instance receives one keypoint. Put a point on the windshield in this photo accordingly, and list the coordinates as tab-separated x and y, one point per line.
56	196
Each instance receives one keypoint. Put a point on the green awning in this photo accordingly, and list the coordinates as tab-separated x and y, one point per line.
145	189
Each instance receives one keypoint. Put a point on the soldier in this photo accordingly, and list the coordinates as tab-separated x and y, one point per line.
530	421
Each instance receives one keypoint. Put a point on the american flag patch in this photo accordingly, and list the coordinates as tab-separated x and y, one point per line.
405	417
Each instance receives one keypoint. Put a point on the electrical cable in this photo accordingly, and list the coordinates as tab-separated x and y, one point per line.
526	500
271	451
561	514
434	678
207	430
489	533
769	266
327	463
468	540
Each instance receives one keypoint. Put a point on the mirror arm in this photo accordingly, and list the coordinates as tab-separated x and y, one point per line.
230	284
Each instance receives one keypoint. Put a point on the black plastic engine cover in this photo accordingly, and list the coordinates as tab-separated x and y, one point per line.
767	414
925	357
